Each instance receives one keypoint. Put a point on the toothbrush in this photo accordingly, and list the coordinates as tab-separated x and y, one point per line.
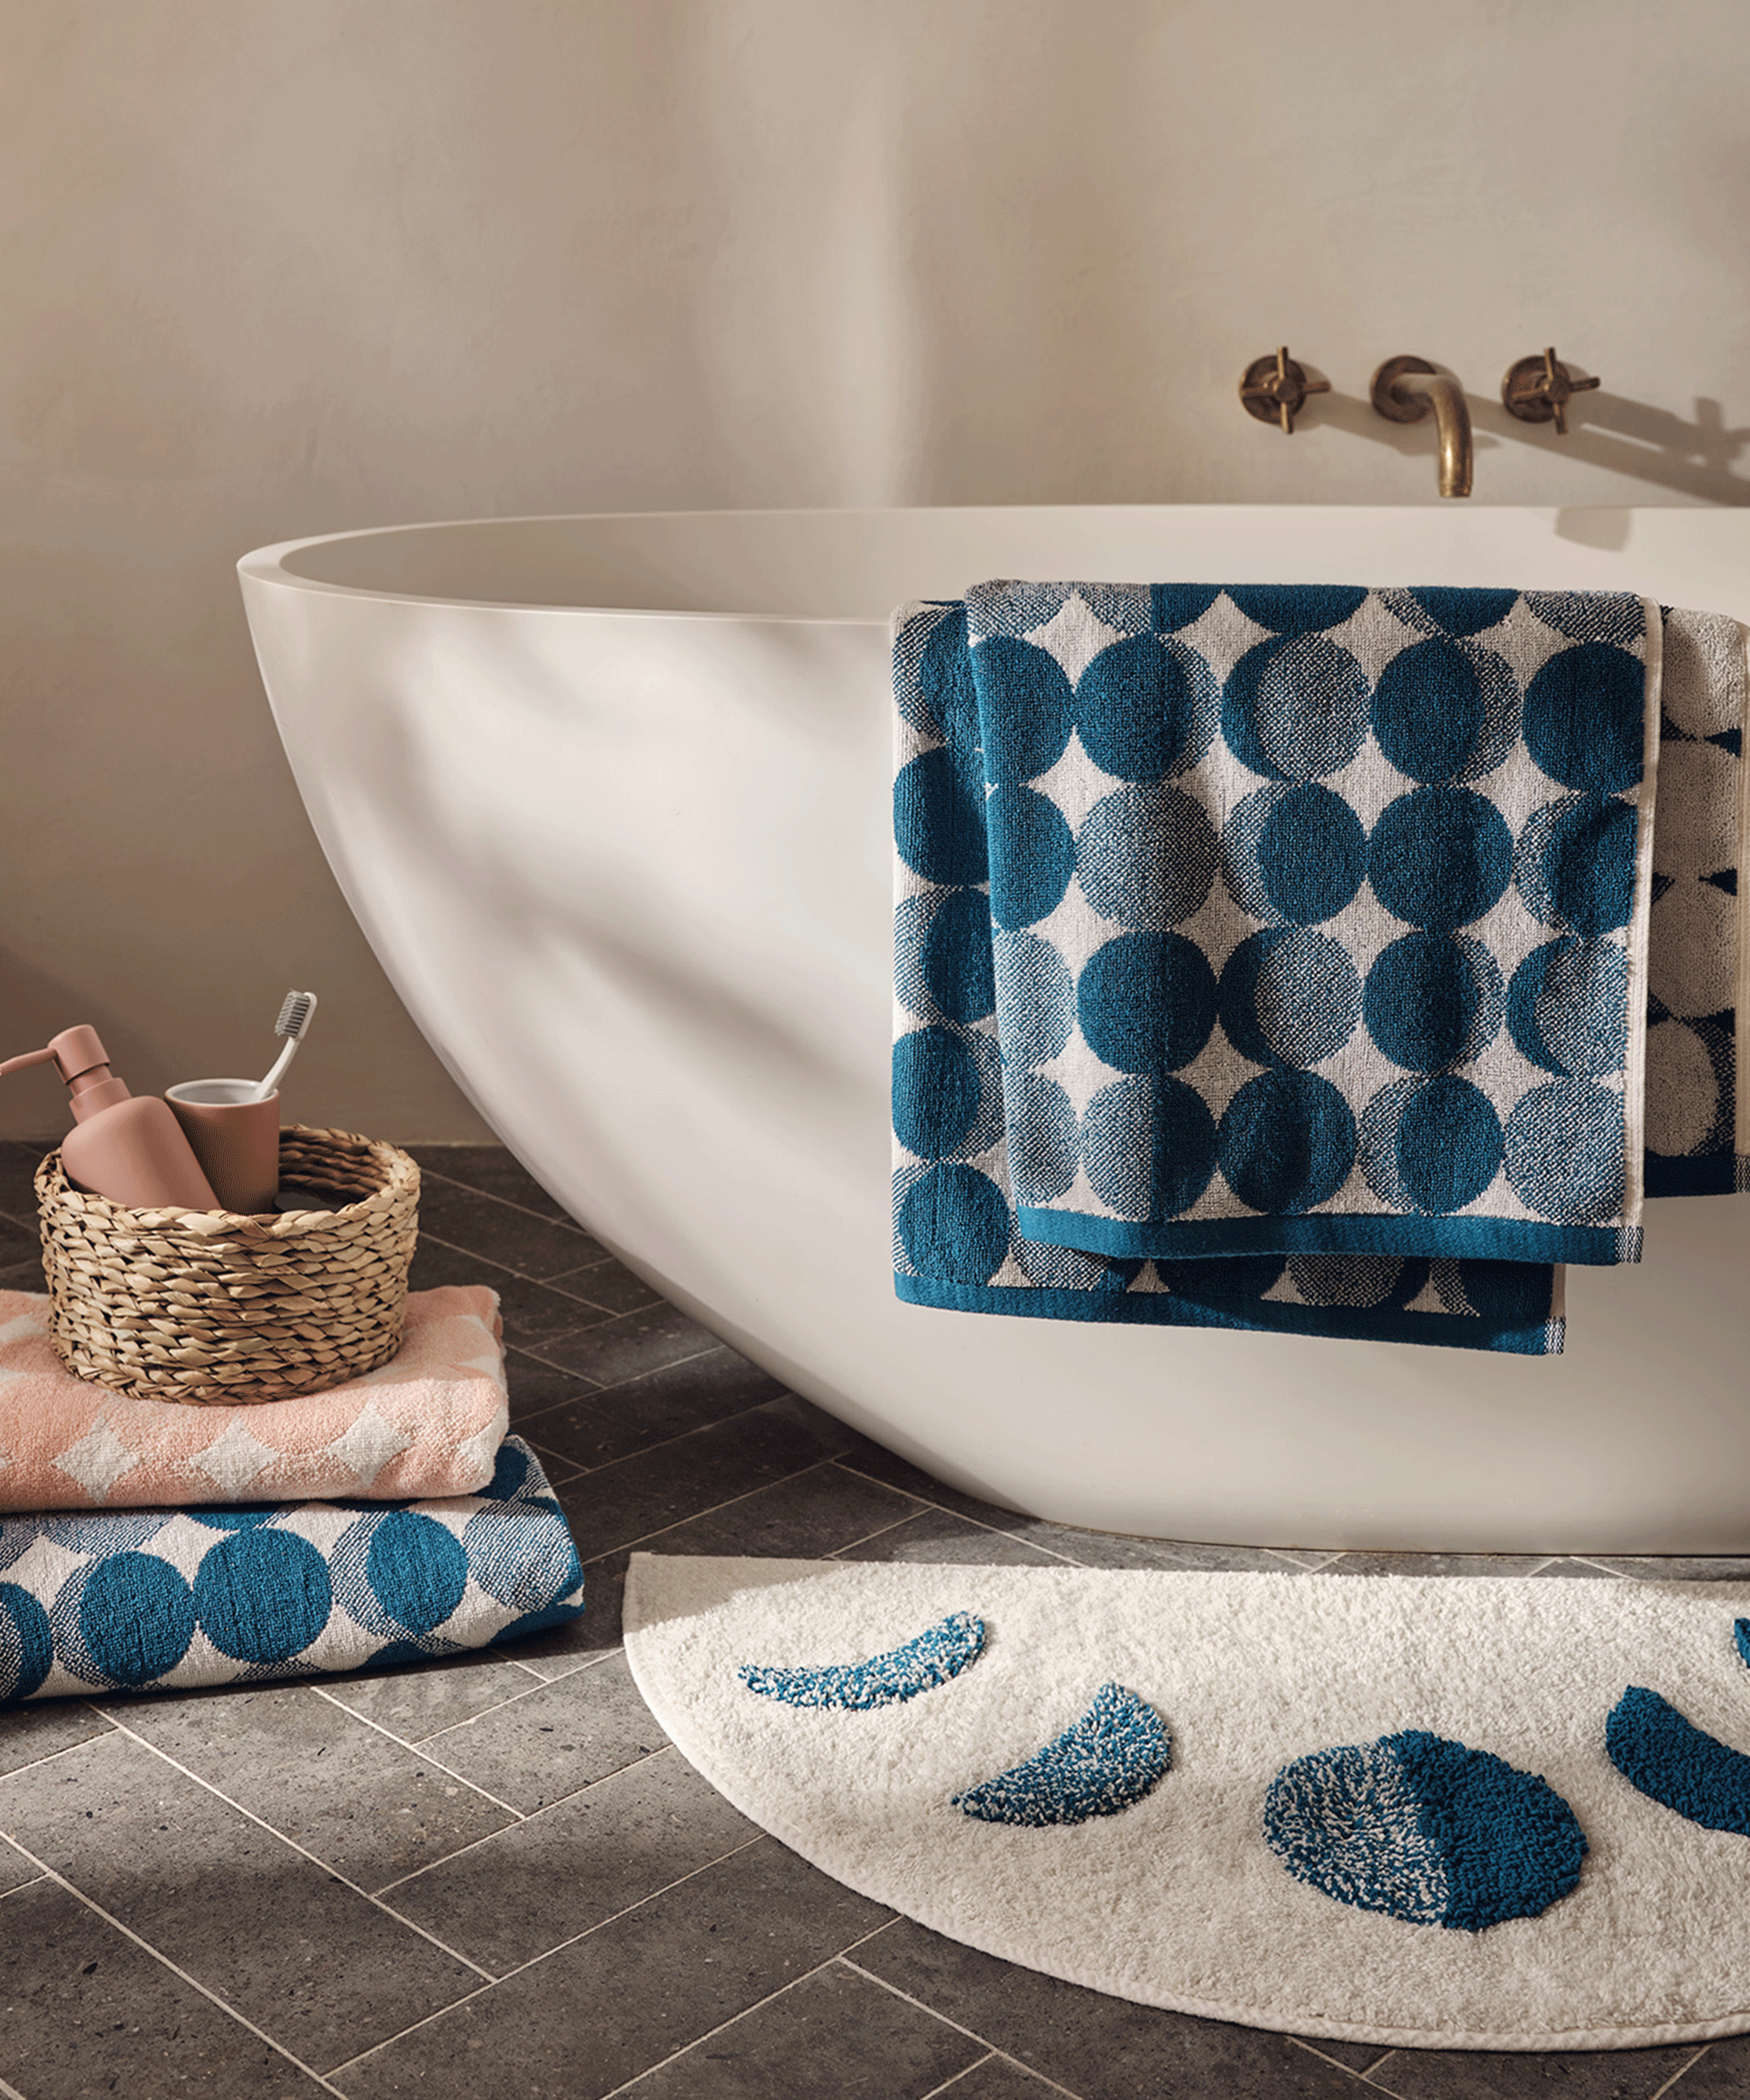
294	1025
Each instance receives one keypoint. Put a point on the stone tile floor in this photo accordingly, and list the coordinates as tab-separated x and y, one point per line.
496	1875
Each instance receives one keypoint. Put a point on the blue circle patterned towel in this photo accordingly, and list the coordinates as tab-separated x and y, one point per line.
156	1601
1298	957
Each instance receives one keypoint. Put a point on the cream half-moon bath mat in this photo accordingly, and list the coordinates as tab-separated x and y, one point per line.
1501	1815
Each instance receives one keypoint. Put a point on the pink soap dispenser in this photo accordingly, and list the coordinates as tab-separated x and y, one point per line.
125	1146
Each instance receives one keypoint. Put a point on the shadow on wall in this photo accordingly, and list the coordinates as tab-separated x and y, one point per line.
1605	430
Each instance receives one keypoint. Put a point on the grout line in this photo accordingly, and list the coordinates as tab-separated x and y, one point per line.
673	1362
546	1954
925	1502
711	2034
567	1221
1588	1561
971	2033
419	1750
632	1545
1548	1562
527	1432
949	2084
1684	2073
9	2092
194	1982
332	1872
1366	2076
1313	2049
35	1880
49	1756
546	1808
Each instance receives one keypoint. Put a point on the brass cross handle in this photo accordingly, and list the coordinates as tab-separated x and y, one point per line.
1536	389
1274	389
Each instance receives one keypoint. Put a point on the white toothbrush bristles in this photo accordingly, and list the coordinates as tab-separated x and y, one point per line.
294	1014
294	1025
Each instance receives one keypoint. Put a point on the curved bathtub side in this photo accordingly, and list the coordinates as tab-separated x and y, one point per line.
630	874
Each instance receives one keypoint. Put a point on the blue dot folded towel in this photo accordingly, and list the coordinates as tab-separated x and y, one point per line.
160	1601
1307	957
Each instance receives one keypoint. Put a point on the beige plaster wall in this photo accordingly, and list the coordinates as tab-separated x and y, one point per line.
270	270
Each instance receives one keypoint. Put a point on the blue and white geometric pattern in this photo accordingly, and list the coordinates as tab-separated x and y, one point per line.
1286	871
156	1600
1697	1007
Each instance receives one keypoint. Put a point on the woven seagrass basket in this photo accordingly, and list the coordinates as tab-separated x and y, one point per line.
208	1308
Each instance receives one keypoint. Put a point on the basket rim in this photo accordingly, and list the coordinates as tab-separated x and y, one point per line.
400	1171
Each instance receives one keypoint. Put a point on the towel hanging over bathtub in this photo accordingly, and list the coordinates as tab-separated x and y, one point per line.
1281	957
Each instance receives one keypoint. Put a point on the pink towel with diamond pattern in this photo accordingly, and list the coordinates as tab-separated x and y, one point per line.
428	1423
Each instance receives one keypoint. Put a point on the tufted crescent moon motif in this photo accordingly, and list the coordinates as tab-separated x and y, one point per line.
930	1658
1666	1757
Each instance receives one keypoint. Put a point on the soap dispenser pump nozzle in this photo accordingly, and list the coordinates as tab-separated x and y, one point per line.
130	1148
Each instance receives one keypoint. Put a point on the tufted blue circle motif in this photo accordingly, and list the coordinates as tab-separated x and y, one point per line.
1045	1138
1037	856
1312	854
262	1596
1433	1000
136	1616
1148	1146
1037	994
1146	708
1298	608
1023	741
1355	1279
1565	1151
1584	719
1147	1002
242	1517
1576	863
1175	605
1430	710
1464	612
1439	857
1448	1143
1297	709
954	1222
1425	1831
1513	1293
1429	1145
1289	996
939	821
542	1567
26	1646
1068	1269
1585	616
1287	1142
1302	844
947	698
417	1570
1146	857
1568	1007
956	957
1237	1279
936	1091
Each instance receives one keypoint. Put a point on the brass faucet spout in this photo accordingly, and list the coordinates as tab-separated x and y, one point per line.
1407	389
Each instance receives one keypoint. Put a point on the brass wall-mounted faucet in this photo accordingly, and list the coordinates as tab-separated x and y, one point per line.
1405	389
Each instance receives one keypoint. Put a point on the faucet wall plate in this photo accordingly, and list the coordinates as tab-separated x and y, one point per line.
1394	406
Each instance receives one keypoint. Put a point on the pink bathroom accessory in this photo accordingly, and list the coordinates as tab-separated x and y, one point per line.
127	1147
236	1138
428	1423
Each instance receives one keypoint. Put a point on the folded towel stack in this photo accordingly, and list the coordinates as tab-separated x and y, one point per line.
167	1546
1284	958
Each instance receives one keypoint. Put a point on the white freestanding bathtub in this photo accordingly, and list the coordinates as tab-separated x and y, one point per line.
610	797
